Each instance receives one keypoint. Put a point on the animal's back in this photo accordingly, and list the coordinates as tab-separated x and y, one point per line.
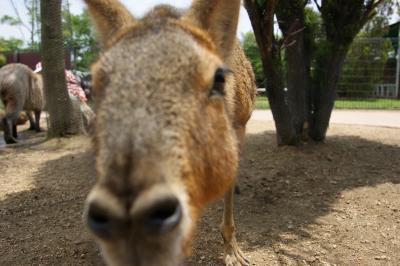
244	87
15	83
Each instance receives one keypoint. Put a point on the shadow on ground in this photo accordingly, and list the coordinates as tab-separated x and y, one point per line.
286	195
43	225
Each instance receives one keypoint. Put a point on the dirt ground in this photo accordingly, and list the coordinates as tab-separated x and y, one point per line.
329	204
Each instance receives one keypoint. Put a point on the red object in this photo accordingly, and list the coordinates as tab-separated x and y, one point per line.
74	88
32	58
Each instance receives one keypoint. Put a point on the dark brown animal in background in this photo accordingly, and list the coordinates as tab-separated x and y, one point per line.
21	120
20	89
173	93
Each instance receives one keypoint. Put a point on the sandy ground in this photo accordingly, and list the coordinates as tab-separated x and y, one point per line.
335	203
383	118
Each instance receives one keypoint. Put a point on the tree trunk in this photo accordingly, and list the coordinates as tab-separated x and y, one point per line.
324	91
263	26
63	121
290	15
278	101
342	19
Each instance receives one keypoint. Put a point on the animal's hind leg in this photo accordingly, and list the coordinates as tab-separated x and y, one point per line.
233	255
31	121
37	121
7	124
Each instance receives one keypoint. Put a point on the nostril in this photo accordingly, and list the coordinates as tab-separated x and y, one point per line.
98	221
164	216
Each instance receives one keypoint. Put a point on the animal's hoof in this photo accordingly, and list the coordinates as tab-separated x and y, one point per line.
39	130
32	128
234	255
10	140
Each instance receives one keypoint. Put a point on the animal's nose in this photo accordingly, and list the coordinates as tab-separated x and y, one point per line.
101	221
163	215
152	215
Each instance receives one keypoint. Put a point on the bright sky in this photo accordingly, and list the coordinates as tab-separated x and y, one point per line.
137	7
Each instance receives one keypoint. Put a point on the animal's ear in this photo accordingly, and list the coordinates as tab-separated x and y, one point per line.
219	18
110	16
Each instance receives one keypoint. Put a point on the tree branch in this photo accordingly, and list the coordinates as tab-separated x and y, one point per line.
18	15
318	6
284	43
370	11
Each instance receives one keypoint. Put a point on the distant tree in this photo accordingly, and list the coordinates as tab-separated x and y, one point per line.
78	33
365	62
3	60
33	25
312	71
80	37
11	44
60	108
33	7
8	45
253	54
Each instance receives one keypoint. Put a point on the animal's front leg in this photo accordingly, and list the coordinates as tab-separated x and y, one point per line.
7	124
233	255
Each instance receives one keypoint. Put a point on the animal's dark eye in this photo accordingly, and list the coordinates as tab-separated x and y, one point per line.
218	87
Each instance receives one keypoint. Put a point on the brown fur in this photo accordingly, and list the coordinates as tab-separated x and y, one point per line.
180	140
20	89
110	17
21	120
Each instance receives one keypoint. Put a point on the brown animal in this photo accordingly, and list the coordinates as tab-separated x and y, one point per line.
20	89
21	120
173	93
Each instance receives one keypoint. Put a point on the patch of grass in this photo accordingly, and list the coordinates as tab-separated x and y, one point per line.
386	104
262	102
367	104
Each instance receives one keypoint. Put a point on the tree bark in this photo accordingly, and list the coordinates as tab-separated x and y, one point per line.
290	15
59	106
308	99
341	27
324	91
263	26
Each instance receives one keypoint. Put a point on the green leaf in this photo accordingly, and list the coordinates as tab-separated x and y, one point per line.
10	20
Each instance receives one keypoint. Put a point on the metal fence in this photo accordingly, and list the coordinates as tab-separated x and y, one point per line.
370	75
369	78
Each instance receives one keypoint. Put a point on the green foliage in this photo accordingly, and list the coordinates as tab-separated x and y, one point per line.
6	19
312	29
80	38
33	11
77	30
2	60
367	57
260	2
364	66
33	25
253	54
11	44
353	103
8	45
